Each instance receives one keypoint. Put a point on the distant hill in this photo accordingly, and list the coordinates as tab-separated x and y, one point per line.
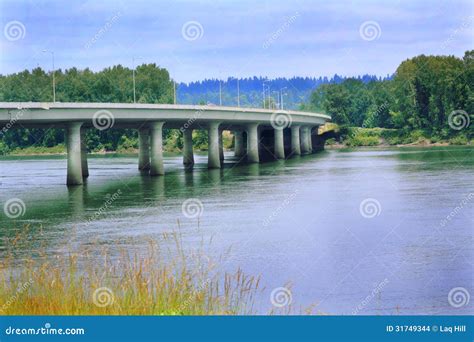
296	90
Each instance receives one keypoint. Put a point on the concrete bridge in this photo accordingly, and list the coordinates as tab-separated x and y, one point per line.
260	134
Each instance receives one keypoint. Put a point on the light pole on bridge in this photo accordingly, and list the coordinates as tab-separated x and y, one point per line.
238	93
53	72
281	97
220	93
174	91
133	76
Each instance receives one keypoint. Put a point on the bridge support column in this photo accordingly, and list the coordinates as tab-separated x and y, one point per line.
221	147
239	144
84	163
213	159
156	143
304	140
252	143
279	144
143	149
295	140
74	151
310	139
188	155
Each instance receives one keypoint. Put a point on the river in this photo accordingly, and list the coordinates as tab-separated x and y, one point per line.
348	231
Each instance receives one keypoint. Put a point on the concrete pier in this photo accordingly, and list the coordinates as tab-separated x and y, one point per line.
213	160
252	143
239	144
295	140
84	163
188	154
279	144
143	149
310	139
221	147
156	143
74	151
305	140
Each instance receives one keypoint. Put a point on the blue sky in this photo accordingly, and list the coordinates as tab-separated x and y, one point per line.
233	38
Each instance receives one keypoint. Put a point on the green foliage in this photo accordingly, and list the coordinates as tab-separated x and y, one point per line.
3	148
424	91
200	139
458	140
127	144
32	150
115	84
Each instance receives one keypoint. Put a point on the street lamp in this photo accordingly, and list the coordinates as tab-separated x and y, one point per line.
281	97
133	76
276	104
174	91
220	93
238	93
54	81
263	92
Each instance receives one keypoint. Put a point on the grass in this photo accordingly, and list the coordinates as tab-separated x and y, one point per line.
151	284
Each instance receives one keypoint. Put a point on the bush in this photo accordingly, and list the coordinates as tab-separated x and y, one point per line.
3	148
458	140
127	144
361	140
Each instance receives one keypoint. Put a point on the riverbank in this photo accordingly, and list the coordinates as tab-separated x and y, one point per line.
349	137
384	137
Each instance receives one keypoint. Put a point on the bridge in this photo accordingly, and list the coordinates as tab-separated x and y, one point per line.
260	134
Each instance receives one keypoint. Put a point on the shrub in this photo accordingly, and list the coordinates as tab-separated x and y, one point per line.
458	140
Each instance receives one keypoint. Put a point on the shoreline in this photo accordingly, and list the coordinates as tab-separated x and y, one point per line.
420	144
326	147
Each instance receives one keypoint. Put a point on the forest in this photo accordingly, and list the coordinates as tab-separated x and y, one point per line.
416	102
429	97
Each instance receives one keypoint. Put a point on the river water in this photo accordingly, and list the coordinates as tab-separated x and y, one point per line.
348	231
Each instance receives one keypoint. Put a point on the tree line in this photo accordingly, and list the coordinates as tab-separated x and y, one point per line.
426	93
421	95
115	84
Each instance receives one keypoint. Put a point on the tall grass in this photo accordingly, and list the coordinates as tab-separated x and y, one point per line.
149	283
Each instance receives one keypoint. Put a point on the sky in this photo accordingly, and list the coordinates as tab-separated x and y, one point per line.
195	40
